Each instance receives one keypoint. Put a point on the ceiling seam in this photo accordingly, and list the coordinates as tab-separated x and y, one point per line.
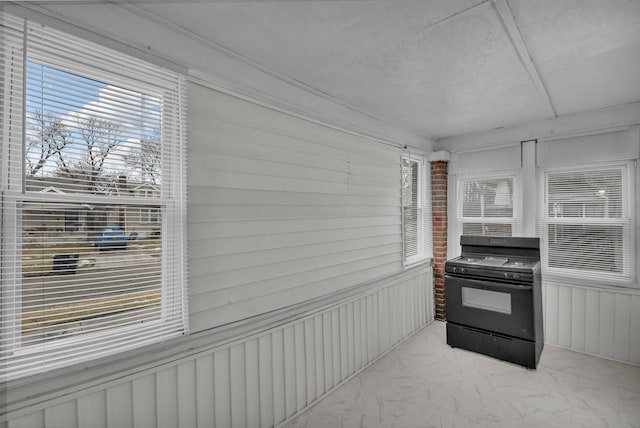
446	19
515	36
404	39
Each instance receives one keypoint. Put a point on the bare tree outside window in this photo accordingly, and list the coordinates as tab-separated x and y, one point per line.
48	136
146	158
100	140
85	161
89	155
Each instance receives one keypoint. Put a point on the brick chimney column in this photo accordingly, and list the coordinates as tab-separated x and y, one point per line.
439	226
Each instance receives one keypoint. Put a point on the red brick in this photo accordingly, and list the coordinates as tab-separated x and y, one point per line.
439	220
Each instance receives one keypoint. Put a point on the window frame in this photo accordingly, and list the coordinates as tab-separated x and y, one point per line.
422	211
591	277
170	199
515	220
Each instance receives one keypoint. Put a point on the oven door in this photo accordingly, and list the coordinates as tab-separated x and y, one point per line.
494	306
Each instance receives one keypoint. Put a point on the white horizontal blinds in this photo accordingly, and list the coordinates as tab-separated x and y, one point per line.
87	134
415	205
587	223
99	212
410	207
487	206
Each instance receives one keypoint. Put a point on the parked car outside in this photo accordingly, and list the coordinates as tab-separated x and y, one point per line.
111	237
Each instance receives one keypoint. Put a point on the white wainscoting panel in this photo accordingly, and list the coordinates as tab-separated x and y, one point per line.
598	321
258	381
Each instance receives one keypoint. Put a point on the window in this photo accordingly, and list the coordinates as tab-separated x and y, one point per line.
587	224
147	193
487	206
415	204
149	215
84	128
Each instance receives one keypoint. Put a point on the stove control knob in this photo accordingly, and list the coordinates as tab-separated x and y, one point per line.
516	276
506	275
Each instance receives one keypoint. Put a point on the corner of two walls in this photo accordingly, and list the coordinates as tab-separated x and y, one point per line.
604	320
283	214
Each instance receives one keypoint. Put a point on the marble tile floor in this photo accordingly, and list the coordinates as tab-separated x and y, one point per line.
425	383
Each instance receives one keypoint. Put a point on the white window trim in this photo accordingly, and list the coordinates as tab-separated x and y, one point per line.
173	199
577	276
424	213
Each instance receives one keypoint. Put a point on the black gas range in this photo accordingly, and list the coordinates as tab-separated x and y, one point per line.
494	298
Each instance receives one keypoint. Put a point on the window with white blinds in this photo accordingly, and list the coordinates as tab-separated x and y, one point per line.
416	202
486	206
587	223
93	201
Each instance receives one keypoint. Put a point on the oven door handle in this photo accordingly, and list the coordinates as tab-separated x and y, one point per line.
489	285
498	286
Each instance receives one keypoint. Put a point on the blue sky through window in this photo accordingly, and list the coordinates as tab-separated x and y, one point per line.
84	129
57	91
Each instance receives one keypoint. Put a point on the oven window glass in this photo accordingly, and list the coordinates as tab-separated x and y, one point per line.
486	299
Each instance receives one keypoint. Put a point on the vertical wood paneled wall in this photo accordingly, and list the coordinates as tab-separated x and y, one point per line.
602	322
259	381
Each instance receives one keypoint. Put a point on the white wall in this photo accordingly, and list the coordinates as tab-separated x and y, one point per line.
282	210
600	318
296	281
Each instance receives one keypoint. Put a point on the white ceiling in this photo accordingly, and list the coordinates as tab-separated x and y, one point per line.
438	68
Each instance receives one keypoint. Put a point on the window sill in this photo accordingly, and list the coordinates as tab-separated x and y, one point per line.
426	261
592	284
36	389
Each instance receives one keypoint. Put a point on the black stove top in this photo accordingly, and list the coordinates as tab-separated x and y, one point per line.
505	263
513	258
